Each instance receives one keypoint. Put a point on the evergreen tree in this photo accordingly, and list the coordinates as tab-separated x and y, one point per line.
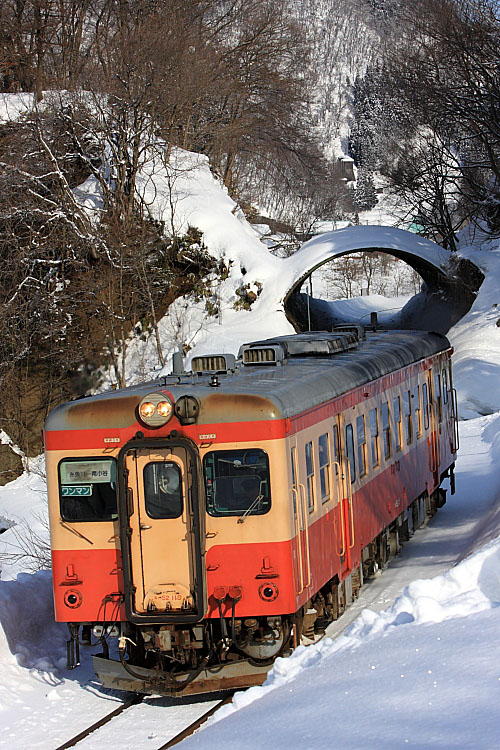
365	194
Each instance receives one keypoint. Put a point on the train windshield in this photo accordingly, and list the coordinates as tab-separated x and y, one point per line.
87	489
237	482
163	489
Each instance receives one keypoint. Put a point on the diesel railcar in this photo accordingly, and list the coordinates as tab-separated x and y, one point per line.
206	522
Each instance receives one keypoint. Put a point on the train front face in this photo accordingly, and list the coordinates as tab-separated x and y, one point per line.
172	535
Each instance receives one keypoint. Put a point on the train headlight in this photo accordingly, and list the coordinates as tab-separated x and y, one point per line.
164	409
146	410
155	409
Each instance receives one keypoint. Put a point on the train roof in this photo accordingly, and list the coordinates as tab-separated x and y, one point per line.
273	379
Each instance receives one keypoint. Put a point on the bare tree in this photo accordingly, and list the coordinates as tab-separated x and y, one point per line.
446	67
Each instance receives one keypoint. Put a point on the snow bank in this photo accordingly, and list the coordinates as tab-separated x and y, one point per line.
390	681
469	588
476	338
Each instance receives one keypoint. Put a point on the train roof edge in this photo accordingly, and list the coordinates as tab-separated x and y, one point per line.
309	369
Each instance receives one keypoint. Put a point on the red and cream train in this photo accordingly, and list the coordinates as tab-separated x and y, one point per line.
212	518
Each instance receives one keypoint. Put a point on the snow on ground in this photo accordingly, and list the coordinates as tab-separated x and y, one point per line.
418	666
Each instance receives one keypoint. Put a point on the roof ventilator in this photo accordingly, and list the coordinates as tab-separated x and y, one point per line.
357	331
311	344
213	363
256	354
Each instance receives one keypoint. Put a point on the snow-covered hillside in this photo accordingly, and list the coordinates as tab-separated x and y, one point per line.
419	668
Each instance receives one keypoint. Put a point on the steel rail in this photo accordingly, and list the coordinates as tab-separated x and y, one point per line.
98	724
188	731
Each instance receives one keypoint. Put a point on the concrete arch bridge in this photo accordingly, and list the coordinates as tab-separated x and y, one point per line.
448	290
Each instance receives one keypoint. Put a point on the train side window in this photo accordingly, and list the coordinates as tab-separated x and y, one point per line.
425	405
445	387
237	482
386	430
87	489
310	475
408	417
336	452
324	466
349	449
396	405
163	489
417	410
438	396
374	437
361	436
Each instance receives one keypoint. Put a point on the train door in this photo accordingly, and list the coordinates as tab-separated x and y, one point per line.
300	517
164	530
345	464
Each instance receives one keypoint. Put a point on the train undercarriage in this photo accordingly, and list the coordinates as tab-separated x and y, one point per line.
229	653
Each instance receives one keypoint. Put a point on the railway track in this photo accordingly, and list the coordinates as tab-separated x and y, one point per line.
175	722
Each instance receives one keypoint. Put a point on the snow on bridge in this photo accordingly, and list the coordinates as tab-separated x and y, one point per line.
445	295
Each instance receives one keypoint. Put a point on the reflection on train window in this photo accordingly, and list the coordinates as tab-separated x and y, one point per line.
386	429
374	437
417	409
360	432
425	405
349	449
237	482
396	405
310	476
87	489
324	466
163	489
408	417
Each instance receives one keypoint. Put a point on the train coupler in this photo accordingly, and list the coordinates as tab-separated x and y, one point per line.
73	647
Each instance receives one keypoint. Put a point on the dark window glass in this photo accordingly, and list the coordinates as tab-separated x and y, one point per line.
438	396
417	410
386	430
445	387
163	489
237	482
310	476
349	447
374	436
425	400
396	406
324	466
408	417
87	489
360	431
336	447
